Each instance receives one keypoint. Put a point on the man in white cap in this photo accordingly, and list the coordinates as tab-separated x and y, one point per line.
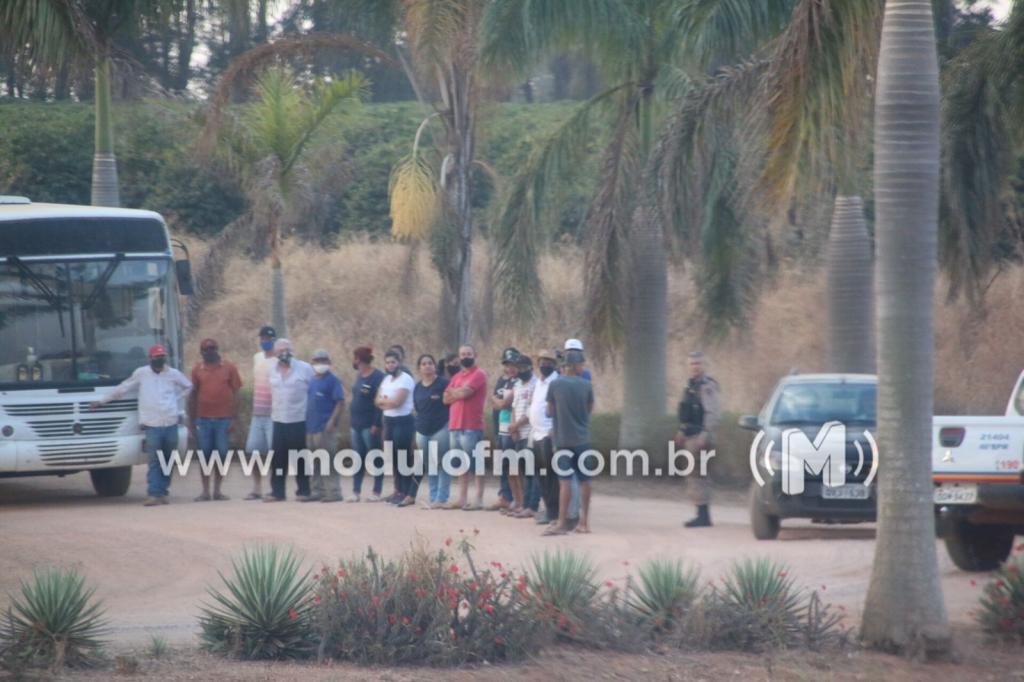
576	344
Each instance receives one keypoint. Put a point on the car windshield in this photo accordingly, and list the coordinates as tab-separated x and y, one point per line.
80	321
817	403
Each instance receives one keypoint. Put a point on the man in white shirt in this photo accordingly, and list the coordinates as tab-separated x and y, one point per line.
161	392
289	389
394	397
543	486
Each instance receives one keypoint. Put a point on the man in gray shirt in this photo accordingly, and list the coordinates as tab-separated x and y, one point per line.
570	401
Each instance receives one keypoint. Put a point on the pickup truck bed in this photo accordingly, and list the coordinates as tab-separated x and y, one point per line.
977	468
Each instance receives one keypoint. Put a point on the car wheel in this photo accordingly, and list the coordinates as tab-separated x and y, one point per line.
766	526
978	547
111	482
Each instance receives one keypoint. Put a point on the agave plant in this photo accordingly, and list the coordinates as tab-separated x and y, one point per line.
1002	602
565	582
664	591
263	613
54	622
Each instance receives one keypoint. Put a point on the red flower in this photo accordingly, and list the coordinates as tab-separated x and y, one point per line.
472	586
783	574
609	583
341	572
448	542
375	601
488	608
293	614
500	641
420	592
562	621
418	629
392	619
453	568
405	620
316	599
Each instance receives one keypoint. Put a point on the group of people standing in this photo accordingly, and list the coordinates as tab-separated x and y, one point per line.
540	404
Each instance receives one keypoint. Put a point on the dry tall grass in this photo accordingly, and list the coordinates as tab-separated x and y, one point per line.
365	293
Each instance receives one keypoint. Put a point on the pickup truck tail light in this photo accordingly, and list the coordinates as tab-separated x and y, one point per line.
951	436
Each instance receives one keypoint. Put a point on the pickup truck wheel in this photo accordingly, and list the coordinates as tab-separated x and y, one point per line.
978	547
765	525
112	482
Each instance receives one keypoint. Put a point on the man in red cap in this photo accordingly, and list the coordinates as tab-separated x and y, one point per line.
160	390
213	406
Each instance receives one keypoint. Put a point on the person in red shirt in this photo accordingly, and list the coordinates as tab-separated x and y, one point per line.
213	406
465	397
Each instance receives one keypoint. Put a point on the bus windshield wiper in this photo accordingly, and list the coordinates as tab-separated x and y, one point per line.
37	282
101	283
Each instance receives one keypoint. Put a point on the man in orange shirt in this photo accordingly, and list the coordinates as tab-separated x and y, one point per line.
213	406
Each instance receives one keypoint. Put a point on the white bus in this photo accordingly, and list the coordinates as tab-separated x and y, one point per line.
84	291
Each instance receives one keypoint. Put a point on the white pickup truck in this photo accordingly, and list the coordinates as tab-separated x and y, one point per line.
978	470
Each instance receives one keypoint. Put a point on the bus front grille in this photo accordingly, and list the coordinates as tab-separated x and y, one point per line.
65	428
73	454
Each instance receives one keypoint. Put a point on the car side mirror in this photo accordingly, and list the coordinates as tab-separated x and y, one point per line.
749	422
183	270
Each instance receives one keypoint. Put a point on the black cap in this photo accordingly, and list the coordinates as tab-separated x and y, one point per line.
509	355
268	331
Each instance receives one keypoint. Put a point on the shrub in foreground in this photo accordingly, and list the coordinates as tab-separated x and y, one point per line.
262	613
424	608
1001	611
54	622
758	607
664	592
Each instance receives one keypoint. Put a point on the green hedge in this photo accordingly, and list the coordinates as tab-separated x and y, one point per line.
46	154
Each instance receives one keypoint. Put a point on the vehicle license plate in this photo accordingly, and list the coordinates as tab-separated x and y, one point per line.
959	493
850	491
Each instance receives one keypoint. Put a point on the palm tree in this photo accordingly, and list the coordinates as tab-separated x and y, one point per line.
904	606
850	342
55	30
650	51
270	146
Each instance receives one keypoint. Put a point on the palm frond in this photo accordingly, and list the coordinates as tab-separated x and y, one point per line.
52	29
817	91
518	34
306	46
982	132
414	197
708	32
436	28
520	228
606	228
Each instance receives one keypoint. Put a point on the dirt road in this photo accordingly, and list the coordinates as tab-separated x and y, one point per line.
151	565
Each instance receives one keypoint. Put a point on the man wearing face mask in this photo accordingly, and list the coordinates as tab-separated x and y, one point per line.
289	388
213	405
543	486
160	392
465	395
325	404
522	395
261	426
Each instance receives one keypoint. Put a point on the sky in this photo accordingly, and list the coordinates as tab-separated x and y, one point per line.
1000	8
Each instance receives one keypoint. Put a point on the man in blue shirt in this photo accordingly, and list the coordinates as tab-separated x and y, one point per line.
323	416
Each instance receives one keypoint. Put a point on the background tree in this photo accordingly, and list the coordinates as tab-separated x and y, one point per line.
270	143
904	609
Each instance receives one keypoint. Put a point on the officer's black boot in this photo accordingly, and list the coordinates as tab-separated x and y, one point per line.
702	520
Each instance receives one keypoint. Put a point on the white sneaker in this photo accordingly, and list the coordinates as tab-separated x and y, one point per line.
354	498
374	498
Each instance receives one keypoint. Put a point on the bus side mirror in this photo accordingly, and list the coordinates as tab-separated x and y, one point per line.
183	270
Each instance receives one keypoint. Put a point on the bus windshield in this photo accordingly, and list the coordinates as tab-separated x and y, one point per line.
81	322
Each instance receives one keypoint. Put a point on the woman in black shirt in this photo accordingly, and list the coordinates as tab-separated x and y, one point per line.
432	427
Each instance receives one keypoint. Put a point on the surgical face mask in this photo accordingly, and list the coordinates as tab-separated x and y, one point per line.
453	370
321	368
546	370
525	376
157	363
211	356
467	362
285	356
266	346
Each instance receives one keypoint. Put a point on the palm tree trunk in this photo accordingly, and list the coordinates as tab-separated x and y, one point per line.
645	382
278	312
851	321
104	163
905	608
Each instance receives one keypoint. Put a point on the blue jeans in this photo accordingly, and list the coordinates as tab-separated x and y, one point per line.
505	490
362	442
465	440
401	434
159	439
212	436
441	482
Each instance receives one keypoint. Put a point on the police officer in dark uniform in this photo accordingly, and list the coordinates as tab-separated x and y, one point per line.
699	415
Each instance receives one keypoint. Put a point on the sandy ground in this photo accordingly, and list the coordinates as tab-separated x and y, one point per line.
151	566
